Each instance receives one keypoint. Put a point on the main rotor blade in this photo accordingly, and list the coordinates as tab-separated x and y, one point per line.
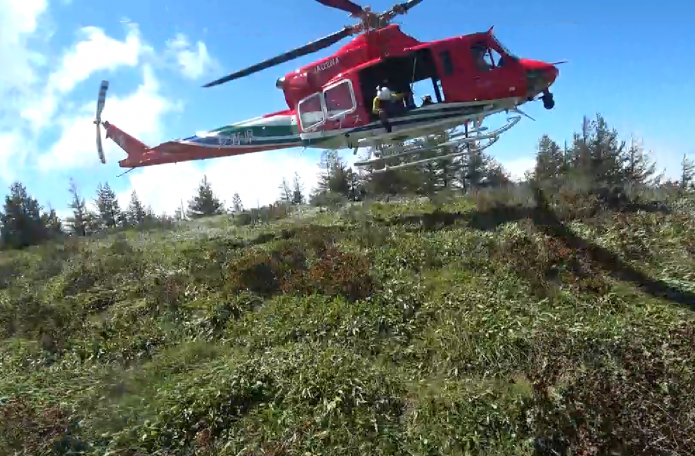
345	5
409	4
399	8
287	56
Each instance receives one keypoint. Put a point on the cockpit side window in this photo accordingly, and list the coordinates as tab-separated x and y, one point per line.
495	58
480	52
485	57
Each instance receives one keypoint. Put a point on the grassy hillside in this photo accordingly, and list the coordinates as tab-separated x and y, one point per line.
457	327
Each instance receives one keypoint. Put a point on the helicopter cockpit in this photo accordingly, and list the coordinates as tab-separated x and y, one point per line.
490	55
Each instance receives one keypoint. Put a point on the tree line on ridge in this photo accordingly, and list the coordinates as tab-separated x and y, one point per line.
595	158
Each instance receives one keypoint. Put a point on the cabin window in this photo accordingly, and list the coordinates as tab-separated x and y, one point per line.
485	57
311	112
494	58
479	52
447	63
339	99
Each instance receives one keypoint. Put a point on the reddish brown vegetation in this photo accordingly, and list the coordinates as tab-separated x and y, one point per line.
588	407
24	428
550	263
309	263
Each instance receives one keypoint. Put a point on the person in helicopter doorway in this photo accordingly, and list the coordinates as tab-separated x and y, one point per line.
387	103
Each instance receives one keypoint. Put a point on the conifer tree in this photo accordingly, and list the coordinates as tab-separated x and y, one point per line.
495	174
285	192
180	213
150	216
52	222
607	152
136	210
81	219
237	205
108	207
579	153
355	189
21	221
550	162
297	190
639	169
334	175
597	155
205	203
474	172
687	173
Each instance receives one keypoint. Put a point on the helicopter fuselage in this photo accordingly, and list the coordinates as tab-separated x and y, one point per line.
329	102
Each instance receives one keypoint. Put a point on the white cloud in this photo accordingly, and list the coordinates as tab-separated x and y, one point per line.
256	177
518	166
97	52
139	114
32	100
93	53
667	159
18	23
9	144
193	63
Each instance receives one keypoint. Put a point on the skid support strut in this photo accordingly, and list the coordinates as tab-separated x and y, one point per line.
472	139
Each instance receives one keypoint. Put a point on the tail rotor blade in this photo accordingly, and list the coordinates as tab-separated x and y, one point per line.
101	101
100	148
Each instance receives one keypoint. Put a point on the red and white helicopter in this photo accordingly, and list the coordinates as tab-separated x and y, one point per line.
329	101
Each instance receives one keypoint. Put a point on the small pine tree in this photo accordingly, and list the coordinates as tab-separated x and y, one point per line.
205	203
52	222
237	205
334	175
550	162
80	220
495	174
108	207
136	210
474	169
639	169
355	191
21	221
285	192
180	213
150	216
297	190
687	173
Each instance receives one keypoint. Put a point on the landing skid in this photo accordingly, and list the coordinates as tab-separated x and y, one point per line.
471	138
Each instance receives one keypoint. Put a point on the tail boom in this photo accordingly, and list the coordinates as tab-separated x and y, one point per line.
174	152
237	139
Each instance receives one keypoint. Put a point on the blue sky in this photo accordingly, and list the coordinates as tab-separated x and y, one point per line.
631	64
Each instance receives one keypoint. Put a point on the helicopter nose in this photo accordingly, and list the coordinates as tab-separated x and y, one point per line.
550	73
540	74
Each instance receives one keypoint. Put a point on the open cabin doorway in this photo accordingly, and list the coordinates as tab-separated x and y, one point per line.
414	71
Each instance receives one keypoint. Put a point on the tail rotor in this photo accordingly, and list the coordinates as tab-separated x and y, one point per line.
97	121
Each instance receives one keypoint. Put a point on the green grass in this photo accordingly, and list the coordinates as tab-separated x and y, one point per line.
451	327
